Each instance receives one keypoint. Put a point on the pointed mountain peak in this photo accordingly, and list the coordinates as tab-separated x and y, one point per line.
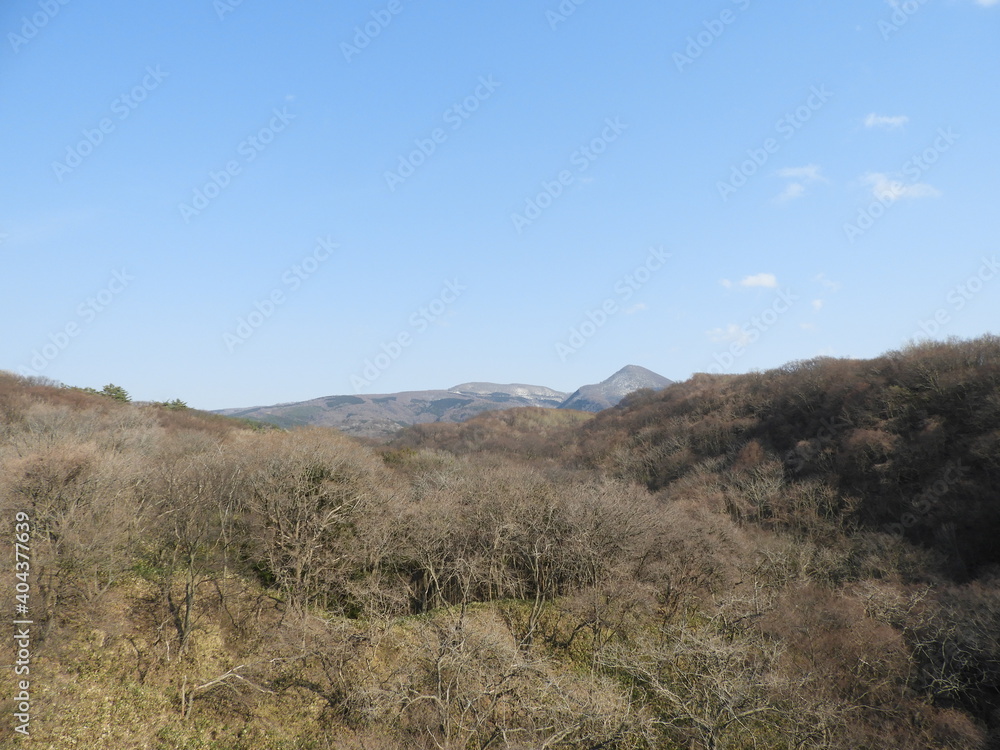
609	392
638	373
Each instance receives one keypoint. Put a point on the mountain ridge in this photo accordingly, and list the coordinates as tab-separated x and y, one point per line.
379	415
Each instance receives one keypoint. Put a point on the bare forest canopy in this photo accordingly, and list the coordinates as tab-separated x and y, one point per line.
798	558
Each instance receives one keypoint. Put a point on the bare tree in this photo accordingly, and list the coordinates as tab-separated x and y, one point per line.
467	683
703	685
306	495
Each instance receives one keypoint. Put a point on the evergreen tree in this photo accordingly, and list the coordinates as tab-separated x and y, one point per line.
116	392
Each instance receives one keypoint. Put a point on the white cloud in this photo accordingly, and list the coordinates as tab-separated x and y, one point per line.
808	173
802	176
886	121
767	280
793	191
833	286
761	279
884	187
817	304
731	333
638	307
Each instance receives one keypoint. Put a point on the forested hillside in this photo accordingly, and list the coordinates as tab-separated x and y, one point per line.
799	558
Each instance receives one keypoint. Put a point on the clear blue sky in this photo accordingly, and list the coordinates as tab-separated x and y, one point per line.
634	116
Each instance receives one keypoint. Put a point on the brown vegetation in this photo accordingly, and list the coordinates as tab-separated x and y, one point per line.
802	558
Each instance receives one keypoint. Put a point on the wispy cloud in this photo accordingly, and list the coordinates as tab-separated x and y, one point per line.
791	192
808	173
767	280
818	303
887	122
731	333
801	177
833	286
885	188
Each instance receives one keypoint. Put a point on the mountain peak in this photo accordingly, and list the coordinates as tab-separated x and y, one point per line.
611	391
635	371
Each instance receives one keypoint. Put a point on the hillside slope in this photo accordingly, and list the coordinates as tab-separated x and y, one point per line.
909	442
800	558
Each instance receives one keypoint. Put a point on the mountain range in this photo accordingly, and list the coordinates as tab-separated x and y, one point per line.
381	415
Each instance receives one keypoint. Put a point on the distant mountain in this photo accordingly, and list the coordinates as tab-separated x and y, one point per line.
608	393
540	395
381	415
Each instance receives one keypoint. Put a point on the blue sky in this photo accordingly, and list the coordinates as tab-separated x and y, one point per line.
250	203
